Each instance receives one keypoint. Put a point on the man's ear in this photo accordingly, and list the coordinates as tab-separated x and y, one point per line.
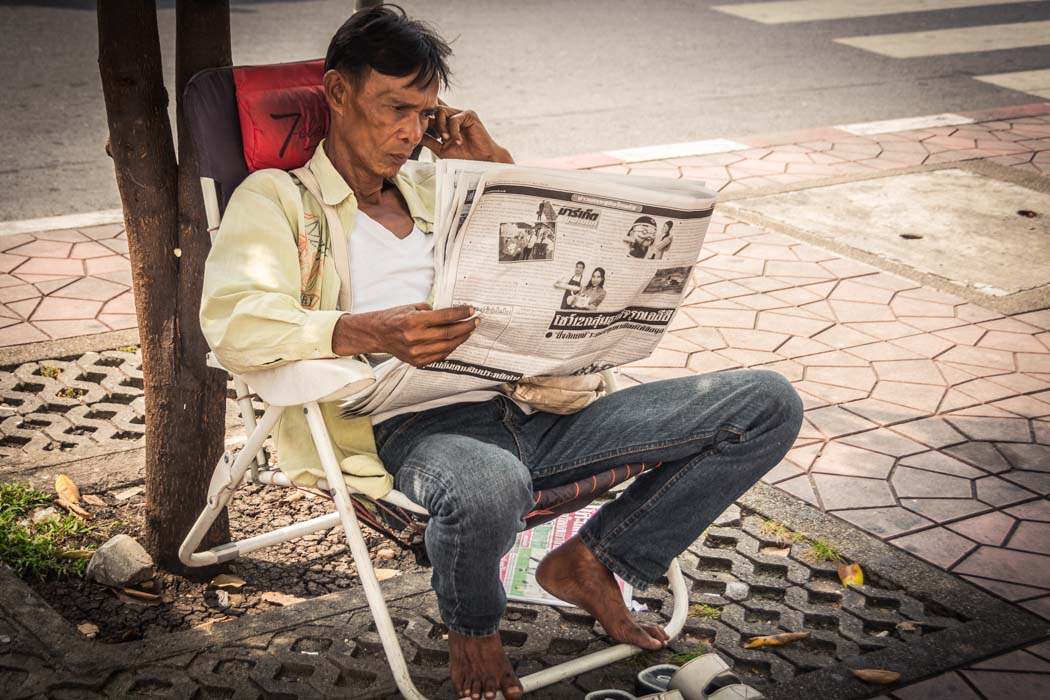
337	91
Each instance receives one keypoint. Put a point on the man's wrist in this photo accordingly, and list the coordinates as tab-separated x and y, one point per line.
352	335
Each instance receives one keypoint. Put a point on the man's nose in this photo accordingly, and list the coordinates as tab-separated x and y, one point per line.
416	127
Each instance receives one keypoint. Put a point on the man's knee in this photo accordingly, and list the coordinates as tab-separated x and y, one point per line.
779	398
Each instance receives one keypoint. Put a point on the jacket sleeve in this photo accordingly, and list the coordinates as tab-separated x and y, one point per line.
250	311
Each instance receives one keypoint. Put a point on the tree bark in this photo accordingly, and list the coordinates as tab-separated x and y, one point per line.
168	242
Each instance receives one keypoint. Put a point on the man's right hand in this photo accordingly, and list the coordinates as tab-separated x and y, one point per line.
413	333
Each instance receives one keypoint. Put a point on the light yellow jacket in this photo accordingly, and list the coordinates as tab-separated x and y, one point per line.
251	313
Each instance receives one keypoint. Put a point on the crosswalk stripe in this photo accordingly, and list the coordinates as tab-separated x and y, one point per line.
941	42
1034	82
906	124
815	10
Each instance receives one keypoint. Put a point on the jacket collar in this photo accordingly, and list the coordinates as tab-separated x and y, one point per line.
333	187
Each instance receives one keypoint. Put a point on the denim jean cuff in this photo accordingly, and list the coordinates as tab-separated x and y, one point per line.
627	573
469	632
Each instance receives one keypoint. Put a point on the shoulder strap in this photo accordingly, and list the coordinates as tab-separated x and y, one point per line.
336	234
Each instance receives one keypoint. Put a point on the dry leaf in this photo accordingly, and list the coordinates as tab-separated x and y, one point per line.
209	623
127	493
883	633
873	675
141	594
775	640
222	599
294	496
76	554
281	598
93	500
384	574
851	575
75	509
132	600
66	489
227	581
88	629
776	551
386	553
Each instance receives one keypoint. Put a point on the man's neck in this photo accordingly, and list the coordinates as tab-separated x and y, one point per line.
366	186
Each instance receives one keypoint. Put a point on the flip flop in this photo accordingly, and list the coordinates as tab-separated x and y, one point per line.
707	677
614	694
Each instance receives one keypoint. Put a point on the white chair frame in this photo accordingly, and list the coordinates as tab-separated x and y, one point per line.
251	465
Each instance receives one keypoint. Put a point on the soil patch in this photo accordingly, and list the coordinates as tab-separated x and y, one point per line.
305	568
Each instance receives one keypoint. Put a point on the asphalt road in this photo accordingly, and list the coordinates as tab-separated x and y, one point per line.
549	78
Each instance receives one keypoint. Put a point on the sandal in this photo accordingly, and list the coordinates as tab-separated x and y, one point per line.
707	677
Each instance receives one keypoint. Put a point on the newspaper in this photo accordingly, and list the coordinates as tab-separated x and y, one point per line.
570	272
517	569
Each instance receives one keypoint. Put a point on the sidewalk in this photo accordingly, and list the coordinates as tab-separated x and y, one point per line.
928	414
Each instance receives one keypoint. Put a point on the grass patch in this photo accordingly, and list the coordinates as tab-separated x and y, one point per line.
780	533
71	392
704	611
49	371
643	660
34	550
819	550
684	657
127	348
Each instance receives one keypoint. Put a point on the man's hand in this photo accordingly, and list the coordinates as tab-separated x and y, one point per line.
414	333
463	136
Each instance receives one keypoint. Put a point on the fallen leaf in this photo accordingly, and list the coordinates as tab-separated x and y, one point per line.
88	629
209	623
909	626
775	640
281	598
874	675
227	581
384	574
776	551
851	575
222	598
294	496
75	509
127	493
132	600
93	500
883	633
76	554
66	489
135	593
386	553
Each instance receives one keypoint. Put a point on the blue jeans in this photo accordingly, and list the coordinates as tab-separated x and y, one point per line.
473	466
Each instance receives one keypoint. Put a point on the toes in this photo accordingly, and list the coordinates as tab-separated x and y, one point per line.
511	688
490	687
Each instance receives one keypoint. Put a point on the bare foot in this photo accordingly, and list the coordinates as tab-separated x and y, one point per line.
479	667
573	574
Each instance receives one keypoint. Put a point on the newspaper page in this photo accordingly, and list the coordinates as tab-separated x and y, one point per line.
570	272
517	569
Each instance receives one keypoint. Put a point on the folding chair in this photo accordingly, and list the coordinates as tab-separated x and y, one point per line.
219	104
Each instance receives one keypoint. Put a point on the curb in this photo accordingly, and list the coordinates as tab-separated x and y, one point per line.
644	154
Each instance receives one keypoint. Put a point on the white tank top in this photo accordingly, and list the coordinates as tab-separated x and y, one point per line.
387	271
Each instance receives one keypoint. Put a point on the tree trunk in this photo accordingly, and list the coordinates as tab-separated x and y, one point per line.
168	242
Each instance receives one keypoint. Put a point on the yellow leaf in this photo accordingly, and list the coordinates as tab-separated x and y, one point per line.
851	575
93	500
77	554
66	489
75	509
227	581
775	640
874	675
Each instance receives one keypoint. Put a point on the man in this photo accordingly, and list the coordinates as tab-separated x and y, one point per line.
472	465
640	236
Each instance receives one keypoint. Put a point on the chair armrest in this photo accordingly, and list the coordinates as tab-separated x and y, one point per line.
297	383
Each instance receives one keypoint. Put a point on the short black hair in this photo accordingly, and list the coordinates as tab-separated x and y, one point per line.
386	40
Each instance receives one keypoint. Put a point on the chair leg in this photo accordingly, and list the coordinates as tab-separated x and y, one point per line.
225	480
359	550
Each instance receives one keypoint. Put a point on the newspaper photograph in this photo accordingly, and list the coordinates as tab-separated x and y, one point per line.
570	272
517	569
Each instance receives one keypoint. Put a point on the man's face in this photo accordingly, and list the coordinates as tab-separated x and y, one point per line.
643	231
382	119
579	268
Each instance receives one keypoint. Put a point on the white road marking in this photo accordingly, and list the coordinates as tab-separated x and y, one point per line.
942	42
892	125
55	223
815	10
676	150
1034	82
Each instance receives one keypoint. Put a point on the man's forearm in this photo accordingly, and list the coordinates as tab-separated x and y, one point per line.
354	334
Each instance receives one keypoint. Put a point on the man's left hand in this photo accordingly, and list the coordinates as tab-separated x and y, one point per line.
463	136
